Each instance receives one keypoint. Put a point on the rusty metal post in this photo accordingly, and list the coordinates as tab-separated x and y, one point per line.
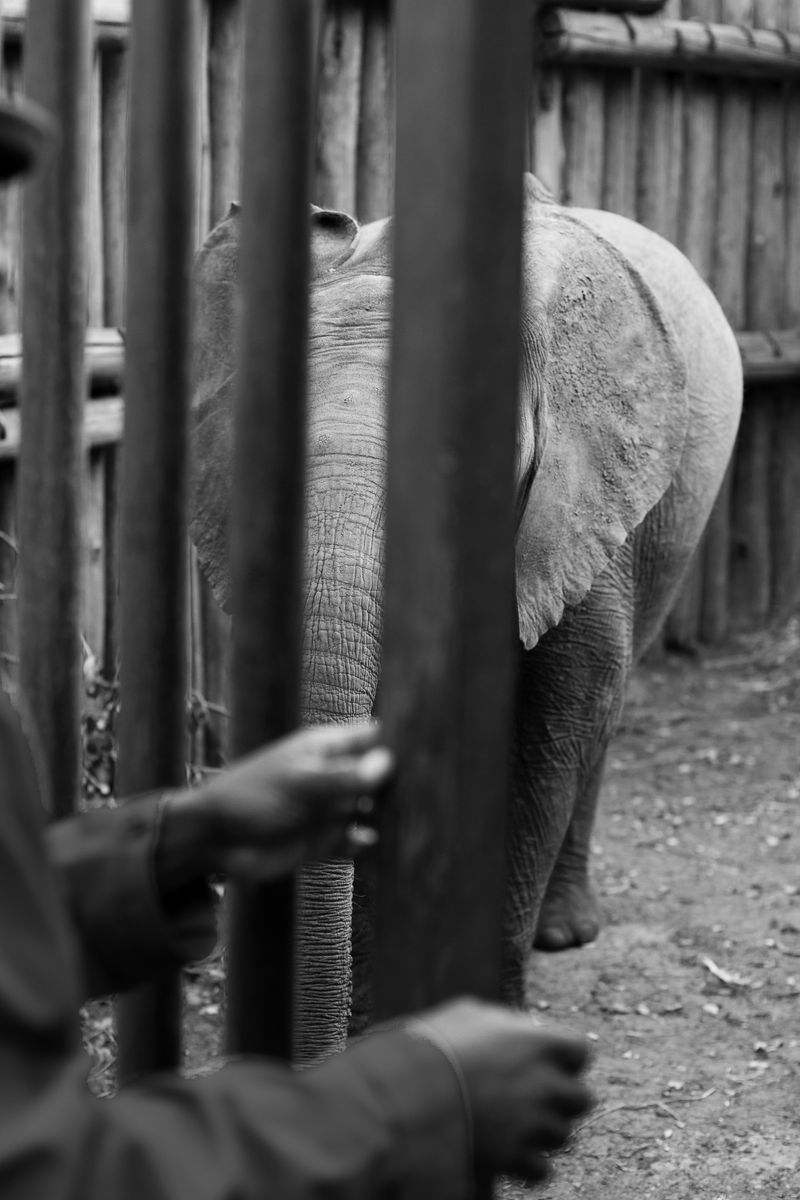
57	76
462	79
268	477
161	225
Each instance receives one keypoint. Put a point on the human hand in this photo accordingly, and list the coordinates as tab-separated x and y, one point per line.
293	801
522	1080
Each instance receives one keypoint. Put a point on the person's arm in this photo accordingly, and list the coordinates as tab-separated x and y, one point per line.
131	920
134	878
387	1120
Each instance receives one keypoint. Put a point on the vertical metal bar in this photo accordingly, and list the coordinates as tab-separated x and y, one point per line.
57	76
449	633
268	477
161	226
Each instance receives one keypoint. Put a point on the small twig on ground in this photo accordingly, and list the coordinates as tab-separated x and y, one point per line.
657	1104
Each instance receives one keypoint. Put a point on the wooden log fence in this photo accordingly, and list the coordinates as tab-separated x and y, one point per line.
704	79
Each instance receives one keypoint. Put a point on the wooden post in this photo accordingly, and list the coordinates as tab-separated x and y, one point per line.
338	98
161	215
463	78
751	579
786	433
375	167
268	477
225	102
58	76
730	287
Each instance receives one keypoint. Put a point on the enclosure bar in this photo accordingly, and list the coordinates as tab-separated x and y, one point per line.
57	76
268	477
449	630
161	213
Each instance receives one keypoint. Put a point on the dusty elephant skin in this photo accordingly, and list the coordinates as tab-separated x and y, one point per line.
630	396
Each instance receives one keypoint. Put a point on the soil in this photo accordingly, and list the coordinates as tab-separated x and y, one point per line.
691	995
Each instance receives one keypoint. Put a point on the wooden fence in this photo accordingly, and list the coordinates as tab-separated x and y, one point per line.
691	128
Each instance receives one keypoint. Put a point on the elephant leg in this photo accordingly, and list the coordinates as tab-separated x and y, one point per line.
569	914
570	692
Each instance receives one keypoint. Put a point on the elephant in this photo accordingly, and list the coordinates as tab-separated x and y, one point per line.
629	401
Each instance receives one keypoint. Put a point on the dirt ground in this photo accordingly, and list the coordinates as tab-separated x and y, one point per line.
691	995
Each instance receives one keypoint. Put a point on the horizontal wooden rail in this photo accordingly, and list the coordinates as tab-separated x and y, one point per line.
604	40
111	19
102	426
105	361
772	358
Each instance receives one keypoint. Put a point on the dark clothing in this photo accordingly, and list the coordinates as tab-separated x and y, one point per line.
382	1120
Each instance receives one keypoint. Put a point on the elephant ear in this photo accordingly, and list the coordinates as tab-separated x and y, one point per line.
604	417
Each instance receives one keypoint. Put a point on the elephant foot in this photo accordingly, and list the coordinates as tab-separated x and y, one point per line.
570	915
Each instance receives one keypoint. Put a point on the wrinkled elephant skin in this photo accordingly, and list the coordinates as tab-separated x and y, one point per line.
629	402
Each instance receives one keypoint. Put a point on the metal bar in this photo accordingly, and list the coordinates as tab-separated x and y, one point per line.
152	733
57	76
449	631
268	477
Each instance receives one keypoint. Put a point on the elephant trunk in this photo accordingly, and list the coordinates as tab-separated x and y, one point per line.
342	662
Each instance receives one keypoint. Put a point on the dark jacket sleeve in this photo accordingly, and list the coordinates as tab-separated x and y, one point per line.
383	1120
128	929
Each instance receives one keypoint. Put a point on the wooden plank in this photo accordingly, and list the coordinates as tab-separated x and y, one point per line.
696	227
225	102
584	105
751	580
104	358
95	273
338	99
449	640
375	166
203	133
112	11
269	455
10	215
152	727
621	142
660	154
102	426
547	129
584	40
9	609
93	547
729	282
114	73
786	436
111	562
57	76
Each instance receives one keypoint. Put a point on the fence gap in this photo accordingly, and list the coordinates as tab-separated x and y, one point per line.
449	633
161	229
269	459
58	77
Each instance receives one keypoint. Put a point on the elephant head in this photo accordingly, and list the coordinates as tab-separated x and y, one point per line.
592	461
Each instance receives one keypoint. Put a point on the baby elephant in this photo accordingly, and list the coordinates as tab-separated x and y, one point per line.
629	402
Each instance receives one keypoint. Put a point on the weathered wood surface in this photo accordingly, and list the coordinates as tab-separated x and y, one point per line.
585	40
449	568
161	233
267	502
58	77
